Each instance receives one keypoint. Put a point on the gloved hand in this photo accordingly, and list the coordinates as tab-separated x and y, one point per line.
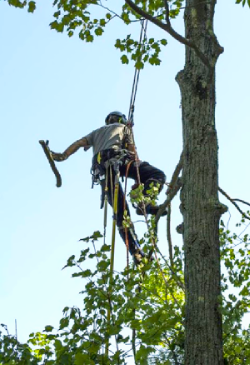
57	156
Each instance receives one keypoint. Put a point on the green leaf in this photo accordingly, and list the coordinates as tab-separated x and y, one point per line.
102	22
124	59
48	328
81	359
164	42
96	235
139	65
244	292
31	6
98	31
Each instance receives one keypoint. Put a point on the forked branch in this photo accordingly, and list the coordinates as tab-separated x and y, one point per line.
235	204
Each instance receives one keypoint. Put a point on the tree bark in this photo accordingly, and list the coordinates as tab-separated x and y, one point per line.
200	206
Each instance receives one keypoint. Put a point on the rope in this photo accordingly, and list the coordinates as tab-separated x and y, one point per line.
143	37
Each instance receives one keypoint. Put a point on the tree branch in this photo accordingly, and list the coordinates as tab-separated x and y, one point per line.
114	13
168	28
167	12
169	238
233	202
241	201
174	187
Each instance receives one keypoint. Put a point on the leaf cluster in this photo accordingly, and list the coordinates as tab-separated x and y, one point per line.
30	5
146	307
236	288
243	2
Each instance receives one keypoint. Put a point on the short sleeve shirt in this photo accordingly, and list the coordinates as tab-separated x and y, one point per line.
109	136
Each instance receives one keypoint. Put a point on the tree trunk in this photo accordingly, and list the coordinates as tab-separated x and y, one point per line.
200	206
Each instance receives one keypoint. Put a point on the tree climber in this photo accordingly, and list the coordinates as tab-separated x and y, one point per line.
113	149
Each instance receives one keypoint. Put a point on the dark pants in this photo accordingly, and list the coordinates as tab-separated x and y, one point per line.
148	174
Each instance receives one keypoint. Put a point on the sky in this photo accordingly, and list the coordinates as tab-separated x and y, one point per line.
60	89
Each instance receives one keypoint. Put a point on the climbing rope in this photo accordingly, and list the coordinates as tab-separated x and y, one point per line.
115	189
143	37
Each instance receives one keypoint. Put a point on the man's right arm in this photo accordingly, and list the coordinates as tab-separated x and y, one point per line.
83	142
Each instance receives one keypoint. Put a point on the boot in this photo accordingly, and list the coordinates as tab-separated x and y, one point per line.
150	209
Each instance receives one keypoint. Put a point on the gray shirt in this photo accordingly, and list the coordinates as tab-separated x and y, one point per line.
109	136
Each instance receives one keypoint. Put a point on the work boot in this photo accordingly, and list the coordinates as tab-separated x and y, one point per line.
150	209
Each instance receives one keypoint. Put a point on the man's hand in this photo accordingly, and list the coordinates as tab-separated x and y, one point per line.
58	156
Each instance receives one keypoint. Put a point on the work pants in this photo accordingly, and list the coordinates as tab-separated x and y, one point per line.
148	174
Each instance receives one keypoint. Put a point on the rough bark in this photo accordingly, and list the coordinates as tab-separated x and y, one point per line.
200	206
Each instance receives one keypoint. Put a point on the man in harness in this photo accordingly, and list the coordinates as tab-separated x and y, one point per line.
113	149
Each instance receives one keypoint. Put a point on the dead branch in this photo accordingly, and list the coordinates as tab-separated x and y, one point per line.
233	202
174	187
169	238
241	201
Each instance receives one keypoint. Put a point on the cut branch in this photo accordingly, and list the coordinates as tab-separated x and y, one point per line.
233	202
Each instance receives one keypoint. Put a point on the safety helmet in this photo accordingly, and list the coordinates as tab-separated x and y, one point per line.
116	117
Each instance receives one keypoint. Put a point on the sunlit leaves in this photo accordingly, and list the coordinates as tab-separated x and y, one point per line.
152	304
243	2
30	5
76	16
236	274
147	51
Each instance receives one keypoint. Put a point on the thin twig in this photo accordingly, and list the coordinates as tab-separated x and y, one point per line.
176	362
133	340
171	269
241	201
167	12
115	14
233	202
176	173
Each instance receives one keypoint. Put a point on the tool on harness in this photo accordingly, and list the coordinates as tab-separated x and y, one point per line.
104	159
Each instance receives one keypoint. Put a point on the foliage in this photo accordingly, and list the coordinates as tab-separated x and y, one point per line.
147	310
236	286
30	5
79	16
75	16
243	2
147	301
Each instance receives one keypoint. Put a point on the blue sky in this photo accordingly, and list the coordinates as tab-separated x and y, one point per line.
60	89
